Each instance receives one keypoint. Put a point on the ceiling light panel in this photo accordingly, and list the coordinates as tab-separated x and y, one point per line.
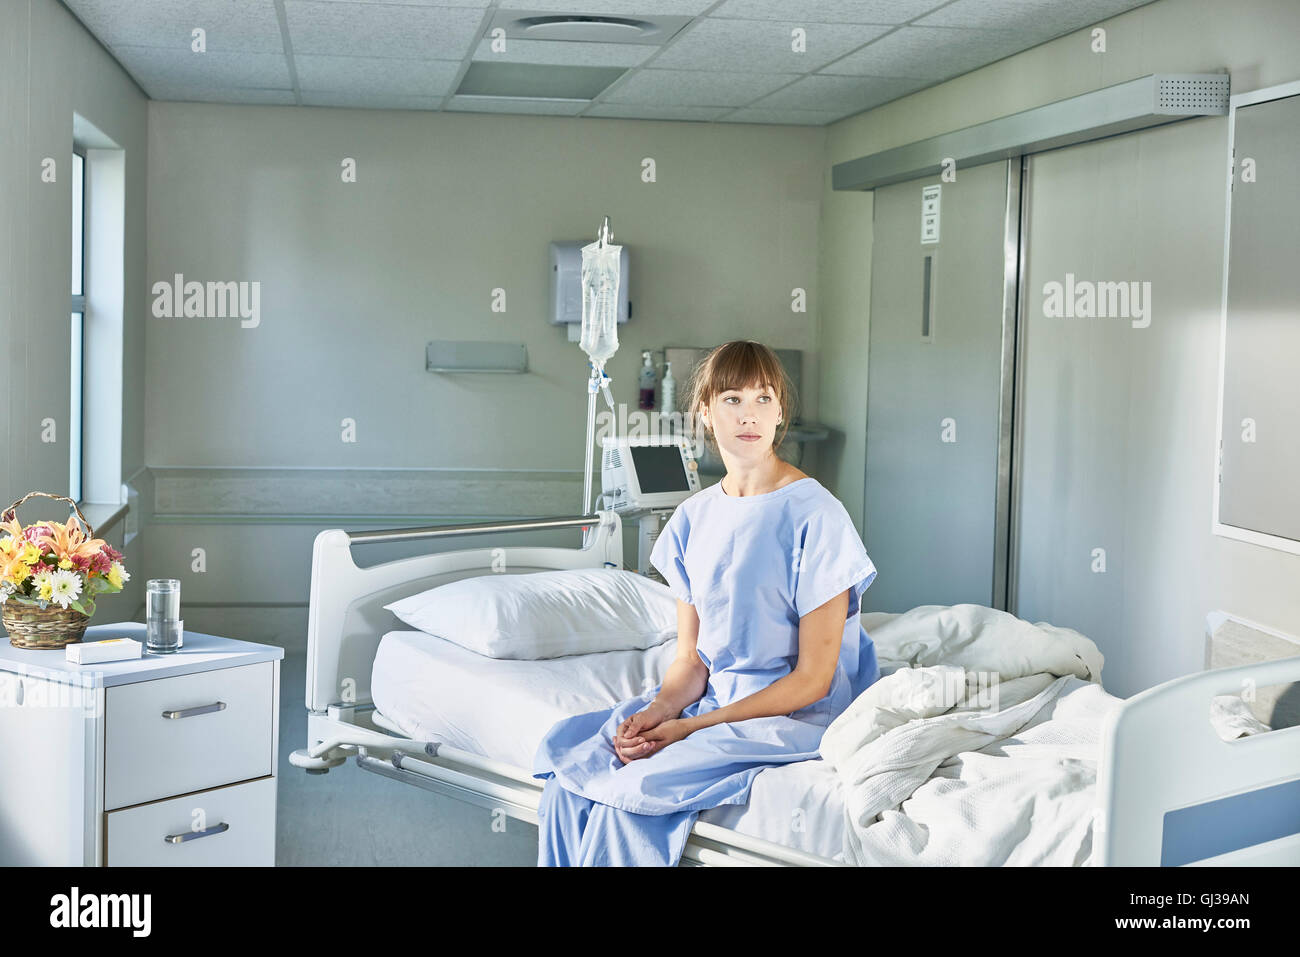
561	52
537	80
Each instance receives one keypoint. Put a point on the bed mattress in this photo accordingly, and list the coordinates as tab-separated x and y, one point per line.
434	690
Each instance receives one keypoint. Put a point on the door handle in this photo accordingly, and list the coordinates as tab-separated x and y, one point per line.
194	835
191	712
927	298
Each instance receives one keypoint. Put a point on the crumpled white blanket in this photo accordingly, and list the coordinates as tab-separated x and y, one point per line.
981	749
1232	717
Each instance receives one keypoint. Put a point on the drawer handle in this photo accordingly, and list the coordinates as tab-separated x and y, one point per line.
192	835
190	712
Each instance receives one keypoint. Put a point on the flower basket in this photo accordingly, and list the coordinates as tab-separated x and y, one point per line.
50	574
51	627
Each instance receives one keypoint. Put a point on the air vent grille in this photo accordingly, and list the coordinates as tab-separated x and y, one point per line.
1176	95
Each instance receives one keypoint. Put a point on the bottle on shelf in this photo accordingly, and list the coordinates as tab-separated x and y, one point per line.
648	379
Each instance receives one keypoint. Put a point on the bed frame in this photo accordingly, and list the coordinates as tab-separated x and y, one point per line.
346	621
1172	792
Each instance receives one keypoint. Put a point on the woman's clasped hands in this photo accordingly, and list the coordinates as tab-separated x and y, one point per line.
648	732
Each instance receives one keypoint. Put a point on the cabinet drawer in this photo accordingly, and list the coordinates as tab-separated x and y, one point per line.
223	827
167	737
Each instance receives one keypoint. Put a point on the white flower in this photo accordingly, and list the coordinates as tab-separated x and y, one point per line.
42	580
65	587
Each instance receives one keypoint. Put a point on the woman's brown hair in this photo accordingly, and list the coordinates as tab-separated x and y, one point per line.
739	364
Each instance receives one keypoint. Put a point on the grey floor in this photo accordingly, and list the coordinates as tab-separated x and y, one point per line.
349	816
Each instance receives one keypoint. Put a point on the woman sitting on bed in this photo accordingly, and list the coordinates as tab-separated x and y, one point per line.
768	571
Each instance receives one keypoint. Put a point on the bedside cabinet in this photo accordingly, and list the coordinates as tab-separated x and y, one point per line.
161	761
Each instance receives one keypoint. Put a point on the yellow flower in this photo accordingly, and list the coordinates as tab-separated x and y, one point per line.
47	589
115	575
15	570
30	553
65	564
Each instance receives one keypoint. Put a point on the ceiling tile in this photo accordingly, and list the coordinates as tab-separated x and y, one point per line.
204	94
150	65
370	101
762	46
785	117
845	93
931	53
634	112
376	75
1039	17
385	30
498	104
245	25
694	88
827	11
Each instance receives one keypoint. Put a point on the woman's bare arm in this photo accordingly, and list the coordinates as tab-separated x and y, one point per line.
687	676
820	633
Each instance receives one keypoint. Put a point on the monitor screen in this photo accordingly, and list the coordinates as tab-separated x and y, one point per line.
659	468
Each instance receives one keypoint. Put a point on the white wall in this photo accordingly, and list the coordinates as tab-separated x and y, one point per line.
243	425
356	278
1159	472
50	67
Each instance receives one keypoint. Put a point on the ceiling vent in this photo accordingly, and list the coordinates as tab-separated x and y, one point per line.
585	28
560	75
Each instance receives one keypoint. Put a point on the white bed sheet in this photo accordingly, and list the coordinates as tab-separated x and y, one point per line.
434	690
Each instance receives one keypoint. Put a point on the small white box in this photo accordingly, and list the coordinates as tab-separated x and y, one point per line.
110	649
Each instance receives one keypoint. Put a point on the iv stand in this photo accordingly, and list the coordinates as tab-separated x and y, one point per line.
598	382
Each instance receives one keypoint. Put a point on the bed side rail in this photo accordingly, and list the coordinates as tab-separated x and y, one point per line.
1171	791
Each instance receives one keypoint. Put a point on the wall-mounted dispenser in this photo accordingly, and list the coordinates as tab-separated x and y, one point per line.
566	286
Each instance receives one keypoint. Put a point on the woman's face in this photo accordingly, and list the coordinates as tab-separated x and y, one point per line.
744	423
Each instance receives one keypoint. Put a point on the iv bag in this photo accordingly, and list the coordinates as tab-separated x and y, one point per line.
600	296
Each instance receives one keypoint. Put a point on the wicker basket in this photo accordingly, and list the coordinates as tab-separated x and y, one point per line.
51	626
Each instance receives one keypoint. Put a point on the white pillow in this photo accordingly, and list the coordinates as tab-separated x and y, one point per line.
545	614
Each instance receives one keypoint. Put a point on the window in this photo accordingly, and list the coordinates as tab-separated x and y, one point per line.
98	176
78	324
1259	458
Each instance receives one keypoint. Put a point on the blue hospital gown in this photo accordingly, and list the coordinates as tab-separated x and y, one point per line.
752	566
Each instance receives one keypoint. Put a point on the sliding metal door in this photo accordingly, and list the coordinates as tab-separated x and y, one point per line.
937	495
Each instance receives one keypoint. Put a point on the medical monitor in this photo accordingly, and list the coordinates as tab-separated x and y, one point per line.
644	472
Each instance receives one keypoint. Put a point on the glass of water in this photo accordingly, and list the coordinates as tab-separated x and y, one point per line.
162	611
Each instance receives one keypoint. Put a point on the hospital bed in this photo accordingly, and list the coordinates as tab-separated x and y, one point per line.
466	726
